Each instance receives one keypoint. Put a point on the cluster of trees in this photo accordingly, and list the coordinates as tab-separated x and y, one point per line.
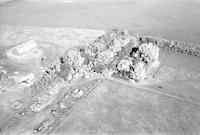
116	53
176	46
3	74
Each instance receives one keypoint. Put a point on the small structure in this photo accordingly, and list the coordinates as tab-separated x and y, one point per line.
24	51
24	48
16	104
77	93
26	80
43	125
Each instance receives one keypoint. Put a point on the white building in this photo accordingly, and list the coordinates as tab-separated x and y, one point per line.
24	51
24	48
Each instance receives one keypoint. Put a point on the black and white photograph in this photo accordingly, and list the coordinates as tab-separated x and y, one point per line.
99	67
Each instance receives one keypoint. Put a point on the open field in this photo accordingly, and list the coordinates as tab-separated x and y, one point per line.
177	19
114	108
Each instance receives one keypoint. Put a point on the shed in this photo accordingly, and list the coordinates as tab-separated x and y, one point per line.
24	48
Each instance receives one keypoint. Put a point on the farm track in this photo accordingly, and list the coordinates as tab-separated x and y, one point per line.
57	122
146	89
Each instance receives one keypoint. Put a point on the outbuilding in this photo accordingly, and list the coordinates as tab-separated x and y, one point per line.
24	48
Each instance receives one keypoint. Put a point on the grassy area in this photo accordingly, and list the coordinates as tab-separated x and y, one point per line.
178	20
